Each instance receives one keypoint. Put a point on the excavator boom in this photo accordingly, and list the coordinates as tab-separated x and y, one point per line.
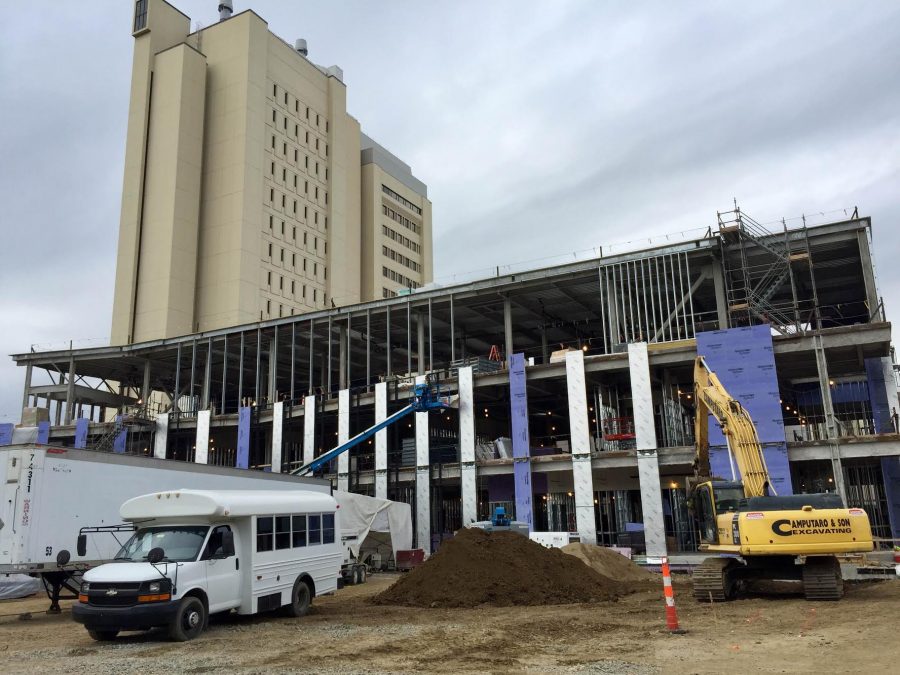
711	398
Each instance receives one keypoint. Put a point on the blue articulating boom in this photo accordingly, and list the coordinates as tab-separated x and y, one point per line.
426	397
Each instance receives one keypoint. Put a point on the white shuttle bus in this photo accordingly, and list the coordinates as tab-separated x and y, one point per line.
200	552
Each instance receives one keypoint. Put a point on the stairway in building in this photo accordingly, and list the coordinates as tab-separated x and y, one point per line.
758	275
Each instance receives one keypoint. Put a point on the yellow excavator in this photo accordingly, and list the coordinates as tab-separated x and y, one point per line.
756	533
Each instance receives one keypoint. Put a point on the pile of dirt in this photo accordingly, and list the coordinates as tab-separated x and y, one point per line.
608	563
501	569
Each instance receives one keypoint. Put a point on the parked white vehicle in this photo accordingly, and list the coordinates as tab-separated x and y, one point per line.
200	552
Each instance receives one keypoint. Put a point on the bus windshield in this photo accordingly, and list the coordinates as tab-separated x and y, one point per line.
181	543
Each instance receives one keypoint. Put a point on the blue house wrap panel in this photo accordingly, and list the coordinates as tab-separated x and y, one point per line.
518	401
744	361
881	410
243	444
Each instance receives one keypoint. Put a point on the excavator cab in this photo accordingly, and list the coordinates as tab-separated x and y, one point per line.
712	499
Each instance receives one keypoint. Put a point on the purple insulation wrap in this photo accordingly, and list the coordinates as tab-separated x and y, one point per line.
81	432
744	361
518	400
243	447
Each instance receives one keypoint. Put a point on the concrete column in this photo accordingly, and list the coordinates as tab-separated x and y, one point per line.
70	392
26	392
277	435
309	429
468	482
145	385
582	474
342	358
381	441
868	273
161	437
343	471
721	299
201	454
423	480
271	392
207	377
507	330
420	350
831	426
648	461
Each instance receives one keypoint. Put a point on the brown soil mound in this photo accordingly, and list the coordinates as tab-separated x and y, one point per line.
608	563
499	569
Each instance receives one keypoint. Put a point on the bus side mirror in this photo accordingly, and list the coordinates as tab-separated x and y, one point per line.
227	544
81	546
63	557
155	555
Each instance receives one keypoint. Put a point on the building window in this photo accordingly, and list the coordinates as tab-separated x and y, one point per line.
140	15
274	116
274	90
268	307
293	264
293	287
268	278
270	249
280	283
282	255
304	291
282	228
304	238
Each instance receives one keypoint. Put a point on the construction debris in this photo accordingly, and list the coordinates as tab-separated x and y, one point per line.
498	569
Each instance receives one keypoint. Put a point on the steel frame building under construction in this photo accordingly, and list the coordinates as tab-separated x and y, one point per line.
574	383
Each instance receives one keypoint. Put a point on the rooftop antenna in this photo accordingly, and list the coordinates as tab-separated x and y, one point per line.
225	9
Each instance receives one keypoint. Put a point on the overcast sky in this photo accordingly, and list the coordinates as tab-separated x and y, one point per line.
540	128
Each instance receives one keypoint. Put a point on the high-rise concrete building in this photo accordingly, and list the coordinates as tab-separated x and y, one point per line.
249	192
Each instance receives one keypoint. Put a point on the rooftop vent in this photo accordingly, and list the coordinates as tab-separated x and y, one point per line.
300	46
225	9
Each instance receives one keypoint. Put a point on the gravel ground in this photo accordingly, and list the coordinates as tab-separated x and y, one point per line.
344	633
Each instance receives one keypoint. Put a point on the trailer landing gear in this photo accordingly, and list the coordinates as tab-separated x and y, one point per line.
54	583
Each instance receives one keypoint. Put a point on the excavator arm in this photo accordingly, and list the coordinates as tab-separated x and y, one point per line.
711	398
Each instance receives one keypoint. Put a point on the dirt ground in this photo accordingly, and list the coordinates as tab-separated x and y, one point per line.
344	633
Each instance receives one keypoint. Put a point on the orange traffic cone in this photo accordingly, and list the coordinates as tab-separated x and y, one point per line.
671	614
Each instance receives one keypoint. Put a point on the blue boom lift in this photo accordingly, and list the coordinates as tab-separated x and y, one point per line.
426	398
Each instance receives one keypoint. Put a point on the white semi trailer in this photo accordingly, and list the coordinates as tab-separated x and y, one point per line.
50	497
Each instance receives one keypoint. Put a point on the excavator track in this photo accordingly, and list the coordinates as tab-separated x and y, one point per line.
822	578
713	580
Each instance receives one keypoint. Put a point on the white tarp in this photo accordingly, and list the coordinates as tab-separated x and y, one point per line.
371	524
18	586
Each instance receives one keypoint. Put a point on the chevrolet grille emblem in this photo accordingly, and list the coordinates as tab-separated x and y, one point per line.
112	591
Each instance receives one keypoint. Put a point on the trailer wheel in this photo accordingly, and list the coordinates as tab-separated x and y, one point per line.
103	635
361	574
300	600
189	620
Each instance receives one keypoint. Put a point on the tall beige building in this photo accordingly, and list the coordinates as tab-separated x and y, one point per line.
249	192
